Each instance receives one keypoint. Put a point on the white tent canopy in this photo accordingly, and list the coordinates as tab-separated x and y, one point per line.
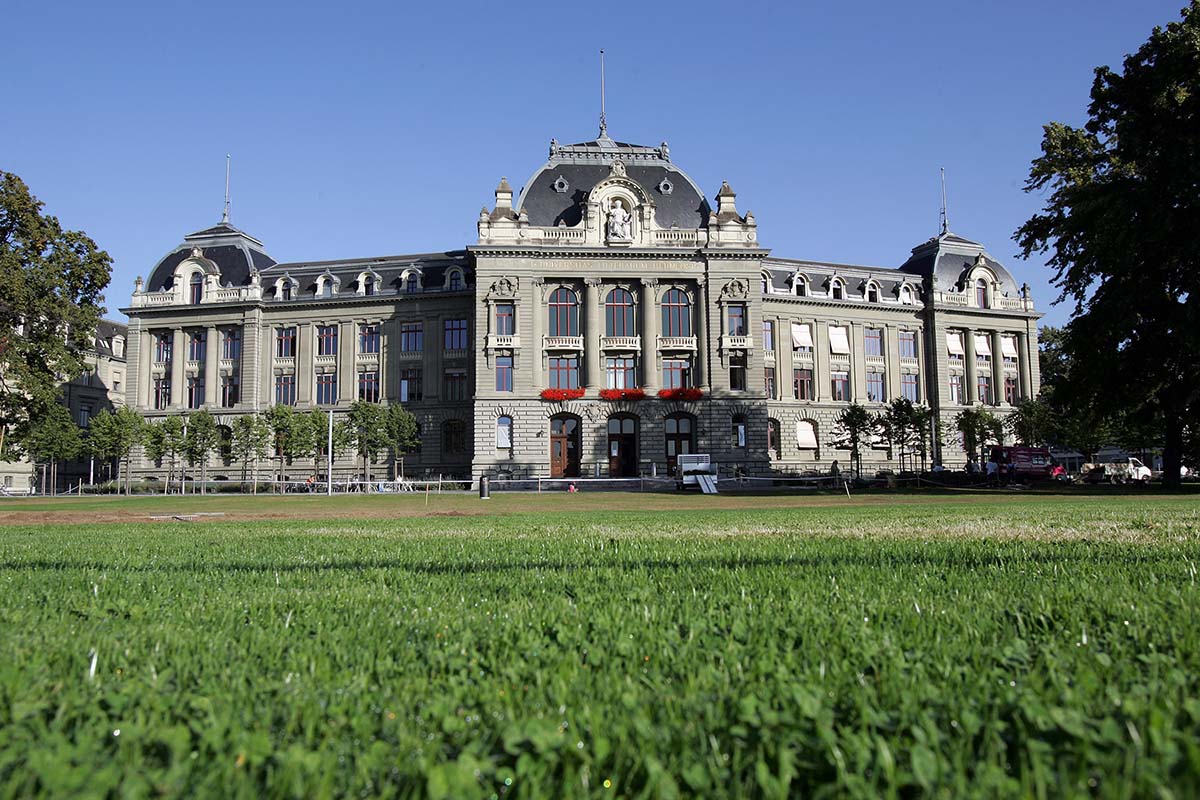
1008	346
839	340
983	346
954	343
801	336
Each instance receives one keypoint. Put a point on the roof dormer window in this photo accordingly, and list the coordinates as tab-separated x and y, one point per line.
837	289
872	292
799	286
981	294
196	289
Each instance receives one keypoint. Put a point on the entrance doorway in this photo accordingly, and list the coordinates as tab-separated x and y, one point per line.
622	446
680	430
564	446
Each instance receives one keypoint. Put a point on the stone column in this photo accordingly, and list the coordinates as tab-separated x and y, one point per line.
178	359
649	336
705	351
858	363
212	356
267	374
997	370
537	313
785	369
822	373
304	363
891	357
145	356
347	391
1022	365
592	333
971	390
383	371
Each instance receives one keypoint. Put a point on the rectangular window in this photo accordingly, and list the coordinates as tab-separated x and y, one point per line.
621	373
802	341
456	334
231	344
117	385
875	387
410	384
504	373
163	347
840	385
412	337
326	388
504	433
739	433
1008	347
737	373
956	389
985	389
327	340
908	344
285	390
505	319
368	385
954	346
768	334
285	344
162	393
85	415
839	340
909	388
195	391
677	373
736	313
231	390
769	380
564	373
802	384
456	384
873	341
368	338
1010	390
197	345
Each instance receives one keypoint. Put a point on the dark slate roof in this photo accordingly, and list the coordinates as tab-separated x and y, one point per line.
233	251
433	267
584	165
945	258
106	329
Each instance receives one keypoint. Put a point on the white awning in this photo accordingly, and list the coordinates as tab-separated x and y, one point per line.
801	336
1008	346
806	435
839	340
983	345
954	343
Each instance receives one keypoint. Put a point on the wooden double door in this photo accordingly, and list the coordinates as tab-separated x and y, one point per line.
564	446
622	446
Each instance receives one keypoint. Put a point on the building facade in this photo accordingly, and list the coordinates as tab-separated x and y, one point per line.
607	320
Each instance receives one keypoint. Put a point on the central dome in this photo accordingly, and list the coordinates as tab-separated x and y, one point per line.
557	193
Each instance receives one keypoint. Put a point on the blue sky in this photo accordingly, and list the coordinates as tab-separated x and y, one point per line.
380	128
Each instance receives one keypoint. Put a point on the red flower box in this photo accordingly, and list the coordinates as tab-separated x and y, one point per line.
559	395
622	394
684	393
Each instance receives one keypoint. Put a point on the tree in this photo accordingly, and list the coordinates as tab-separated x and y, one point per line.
903	425
51	437
311	439
50	293
164	441
113	434
402	432
369	428
979	428
250	439
1032	422
280	420
854	427
203	437
1120	222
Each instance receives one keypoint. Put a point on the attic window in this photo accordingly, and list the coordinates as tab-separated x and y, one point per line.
836	291
560	184
872	293
665	186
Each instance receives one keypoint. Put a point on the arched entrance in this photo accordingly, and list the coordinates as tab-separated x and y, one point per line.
564	446
680	431
622	446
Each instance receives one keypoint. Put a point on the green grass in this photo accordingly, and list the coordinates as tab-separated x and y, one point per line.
945	647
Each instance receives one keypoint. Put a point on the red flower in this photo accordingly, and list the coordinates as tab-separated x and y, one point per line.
622	394
559	395
683	393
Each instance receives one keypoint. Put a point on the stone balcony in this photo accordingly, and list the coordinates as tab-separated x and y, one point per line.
325	361
736	342
562	342
498	341
621	343
676	342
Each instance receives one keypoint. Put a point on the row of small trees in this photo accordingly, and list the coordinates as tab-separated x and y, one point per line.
281	432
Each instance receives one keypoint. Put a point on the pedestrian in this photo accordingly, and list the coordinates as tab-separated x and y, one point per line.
993	472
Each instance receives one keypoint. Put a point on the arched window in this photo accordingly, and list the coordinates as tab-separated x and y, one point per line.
369	285
837	289
504	433
456	281
197	289
454	437
412	282
872	293
676	313
765	283
773	445
285	290
806	434
326	287
906	295
618	314
564	312
799	287
981	293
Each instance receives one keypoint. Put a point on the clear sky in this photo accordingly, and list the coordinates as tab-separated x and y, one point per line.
382	128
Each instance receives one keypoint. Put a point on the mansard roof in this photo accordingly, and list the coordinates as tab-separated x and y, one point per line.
946	258
557	192
234	251
432	266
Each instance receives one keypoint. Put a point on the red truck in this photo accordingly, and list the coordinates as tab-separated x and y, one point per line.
1028	463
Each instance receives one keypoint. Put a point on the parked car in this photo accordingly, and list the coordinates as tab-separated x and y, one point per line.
1027	463
1125	471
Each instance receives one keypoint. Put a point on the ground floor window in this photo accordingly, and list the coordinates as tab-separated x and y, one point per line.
909	388
876	392
326	389
454	437
455	384
840	385
410	385
504	433
739	432
368	386
285	390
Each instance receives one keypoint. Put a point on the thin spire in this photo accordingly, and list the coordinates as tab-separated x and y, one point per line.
945	211
603	121
225	215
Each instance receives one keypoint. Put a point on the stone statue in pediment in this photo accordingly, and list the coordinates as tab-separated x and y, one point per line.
619	221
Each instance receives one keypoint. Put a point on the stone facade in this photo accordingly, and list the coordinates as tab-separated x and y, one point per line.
610	271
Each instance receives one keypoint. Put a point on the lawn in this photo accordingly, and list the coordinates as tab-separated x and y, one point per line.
602	645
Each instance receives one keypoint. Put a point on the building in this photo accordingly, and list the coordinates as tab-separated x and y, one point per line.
610	272
101	387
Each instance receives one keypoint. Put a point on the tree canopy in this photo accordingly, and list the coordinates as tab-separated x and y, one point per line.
51	282
1120	221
